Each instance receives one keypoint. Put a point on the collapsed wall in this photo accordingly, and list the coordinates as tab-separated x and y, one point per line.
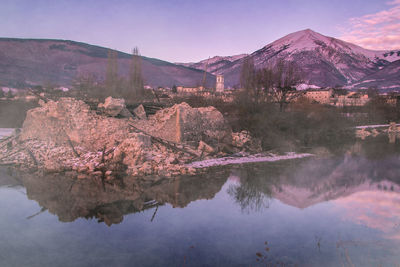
183	124
66	135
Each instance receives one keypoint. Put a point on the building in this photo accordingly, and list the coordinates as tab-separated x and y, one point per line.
189	90
351	99
219	85
322	96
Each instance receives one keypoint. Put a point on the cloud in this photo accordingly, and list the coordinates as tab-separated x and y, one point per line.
378	31
375	209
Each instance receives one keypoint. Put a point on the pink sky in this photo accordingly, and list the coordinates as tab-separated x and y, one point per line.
378	31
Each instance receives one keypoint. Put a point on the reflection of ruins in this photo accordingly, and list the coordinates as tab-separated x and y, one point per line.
70	199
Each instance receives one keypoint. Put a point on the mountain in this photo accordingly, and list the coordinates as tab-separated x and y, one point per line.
323	61
215	63
387	78
36	61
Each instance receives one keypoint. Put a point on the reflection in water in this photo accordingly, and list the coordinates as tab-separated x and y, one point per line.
70	199
331	211
252	192
363	186
378	209
306	182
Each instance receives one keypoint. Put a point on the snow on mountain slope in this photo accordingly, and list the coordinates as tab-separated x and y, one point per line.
387	78
324	61
213	64
310	40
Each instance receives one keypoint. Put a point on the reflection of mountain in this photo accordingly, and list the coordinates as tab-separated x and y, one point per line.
70	199
370	166
379	209
321	180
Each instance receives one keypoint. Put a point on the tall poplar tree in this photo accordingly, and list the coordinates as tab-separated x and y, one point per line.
112	72
135	74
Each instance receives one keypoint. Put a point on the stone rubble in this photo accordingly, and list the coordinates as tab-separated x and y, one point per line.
66	136
140	113
393	132
115	107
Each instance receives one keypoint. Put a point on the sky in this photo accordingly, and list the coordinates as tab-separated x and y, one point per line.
192	30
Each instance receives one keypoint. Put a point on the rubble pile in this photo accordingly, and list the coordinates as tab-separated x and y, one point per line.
392	131
67	136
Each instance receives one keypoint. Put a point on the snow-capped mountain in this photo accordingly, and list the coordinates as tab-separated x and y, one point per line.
214	64
323	61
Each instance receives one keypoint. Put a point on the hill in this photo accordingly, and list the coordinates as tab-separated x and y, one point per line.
25	62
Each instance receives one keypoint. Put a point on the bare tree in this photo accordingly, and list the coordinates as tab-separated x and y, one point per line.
135	74
285	77
269	84
264	84
248	75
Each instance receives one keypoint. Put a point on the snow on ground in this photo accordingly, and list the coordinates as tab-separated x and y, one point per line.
246	159
375	126
304	86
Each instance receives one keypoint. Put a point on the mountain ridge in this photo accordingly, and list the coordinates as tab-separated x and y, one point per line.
325	61
28	61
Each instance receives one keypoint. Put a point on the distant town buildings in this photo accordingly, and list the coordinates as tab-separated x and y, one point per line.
328	96
339	98
320	96
189	90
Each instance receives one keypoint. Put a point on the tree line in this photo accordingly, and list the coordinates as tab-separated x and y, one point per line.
131	88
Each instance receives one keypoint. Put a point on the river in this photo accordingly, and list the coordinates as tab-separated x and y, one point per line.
341	209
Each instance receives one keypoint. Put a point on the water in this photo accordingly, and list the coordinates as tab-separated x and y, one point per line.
4	132
339	210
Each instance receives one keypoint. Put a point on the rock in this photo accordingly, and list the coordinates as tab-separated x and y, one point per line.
240	139
205	148
41	102
182	124
71	121
146	168
114	107
362	133
392	127
140	113
91	167
52	166
374	132
246	142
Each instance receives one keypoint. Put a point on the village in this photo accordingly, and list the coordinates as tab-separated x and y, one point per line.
338	97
